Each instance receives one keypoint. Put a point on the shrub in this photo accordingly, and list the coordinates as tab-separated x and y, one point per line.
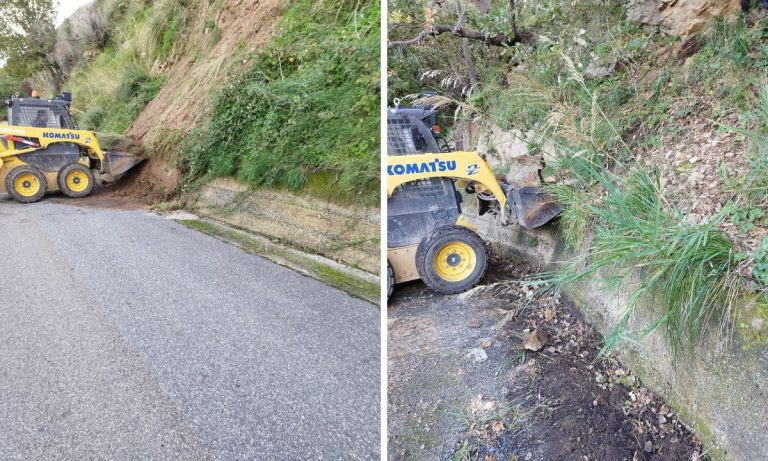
308	104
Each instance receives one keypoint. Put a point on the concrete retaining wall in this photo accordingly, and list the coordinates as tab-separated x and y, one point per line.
722	394
346	234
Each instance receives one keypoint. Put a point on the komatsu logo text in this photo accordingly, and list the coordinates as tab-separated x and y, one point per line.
421	167
49	135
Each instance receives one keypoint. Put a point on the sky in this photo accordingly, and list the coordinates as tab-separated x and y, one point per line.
67	7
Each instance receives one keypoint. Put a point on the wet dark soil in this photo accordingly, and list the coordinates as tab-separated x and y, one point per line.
104	197
559	403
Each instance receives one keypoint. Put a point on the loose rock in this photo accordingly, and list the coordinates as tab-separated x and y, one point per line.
477	355
648	447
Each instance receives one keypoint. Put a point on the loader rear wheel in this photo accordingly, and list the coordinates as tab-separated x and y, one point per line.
25	184
451	259
76	180
390	279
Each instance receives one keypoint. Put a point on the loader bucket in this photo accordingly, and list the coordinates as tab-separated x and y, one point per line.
533	206
120	162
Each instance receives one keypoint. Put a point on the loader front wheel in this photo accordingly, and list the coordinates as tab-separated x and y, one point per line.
76	180
25	184
451	259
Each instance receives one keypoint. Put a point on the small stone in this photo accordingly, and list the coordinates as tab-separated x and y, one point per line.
474	324
648	447
477	355
598	70
662	419
535	341
693	160
600	401
729	155
485	343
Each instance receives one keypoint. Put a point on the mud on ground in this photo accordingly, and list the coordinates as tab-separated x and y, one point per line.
462	387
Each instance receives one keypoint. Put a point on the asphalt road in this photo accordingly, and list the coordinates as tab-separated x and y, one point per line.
124	335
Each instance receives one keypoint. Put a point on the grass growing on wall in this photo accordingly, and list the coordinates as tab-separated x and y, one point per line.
685	273
307	105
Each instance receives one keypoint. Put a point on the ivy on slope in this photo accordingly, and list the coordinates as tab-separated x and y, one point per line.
308	105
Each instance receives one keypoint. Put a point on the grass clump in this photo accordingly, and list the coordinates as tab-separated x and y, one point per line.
113	109
169	36
686	273
307	103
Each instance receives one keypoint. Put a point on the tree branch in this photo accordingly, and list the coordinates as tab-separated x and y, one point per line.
499	39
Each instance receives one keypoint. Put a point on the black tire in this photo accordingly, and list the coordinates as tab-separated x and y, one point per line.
390	279
436	244
22	195
77	190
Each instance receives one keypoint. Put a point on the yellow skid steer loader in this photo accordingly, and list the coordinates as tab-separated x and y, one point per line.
42	150
428	236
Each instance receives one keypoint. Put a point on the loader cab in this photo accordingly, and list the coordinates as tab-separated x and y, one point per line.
428	116
418	207
31	111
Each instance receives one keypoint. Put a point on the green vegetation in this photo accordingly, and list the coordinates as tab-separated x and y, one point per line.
686	273
596	132
169	36
115	110
113	84
307	103
290	258
27	41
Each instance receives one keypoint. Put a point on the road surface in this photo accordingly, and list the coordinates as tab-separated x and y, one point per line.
124	335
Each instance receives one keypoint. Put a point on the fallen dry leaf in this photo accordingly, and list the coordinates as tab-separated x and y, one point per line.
535	341
485	343
498	426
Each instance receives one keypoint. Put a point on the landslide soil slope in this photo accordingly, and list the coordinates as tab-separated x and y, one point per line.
196	70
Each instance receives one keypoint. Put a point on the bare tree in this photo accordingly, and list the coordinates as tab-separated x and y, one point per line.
461	31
